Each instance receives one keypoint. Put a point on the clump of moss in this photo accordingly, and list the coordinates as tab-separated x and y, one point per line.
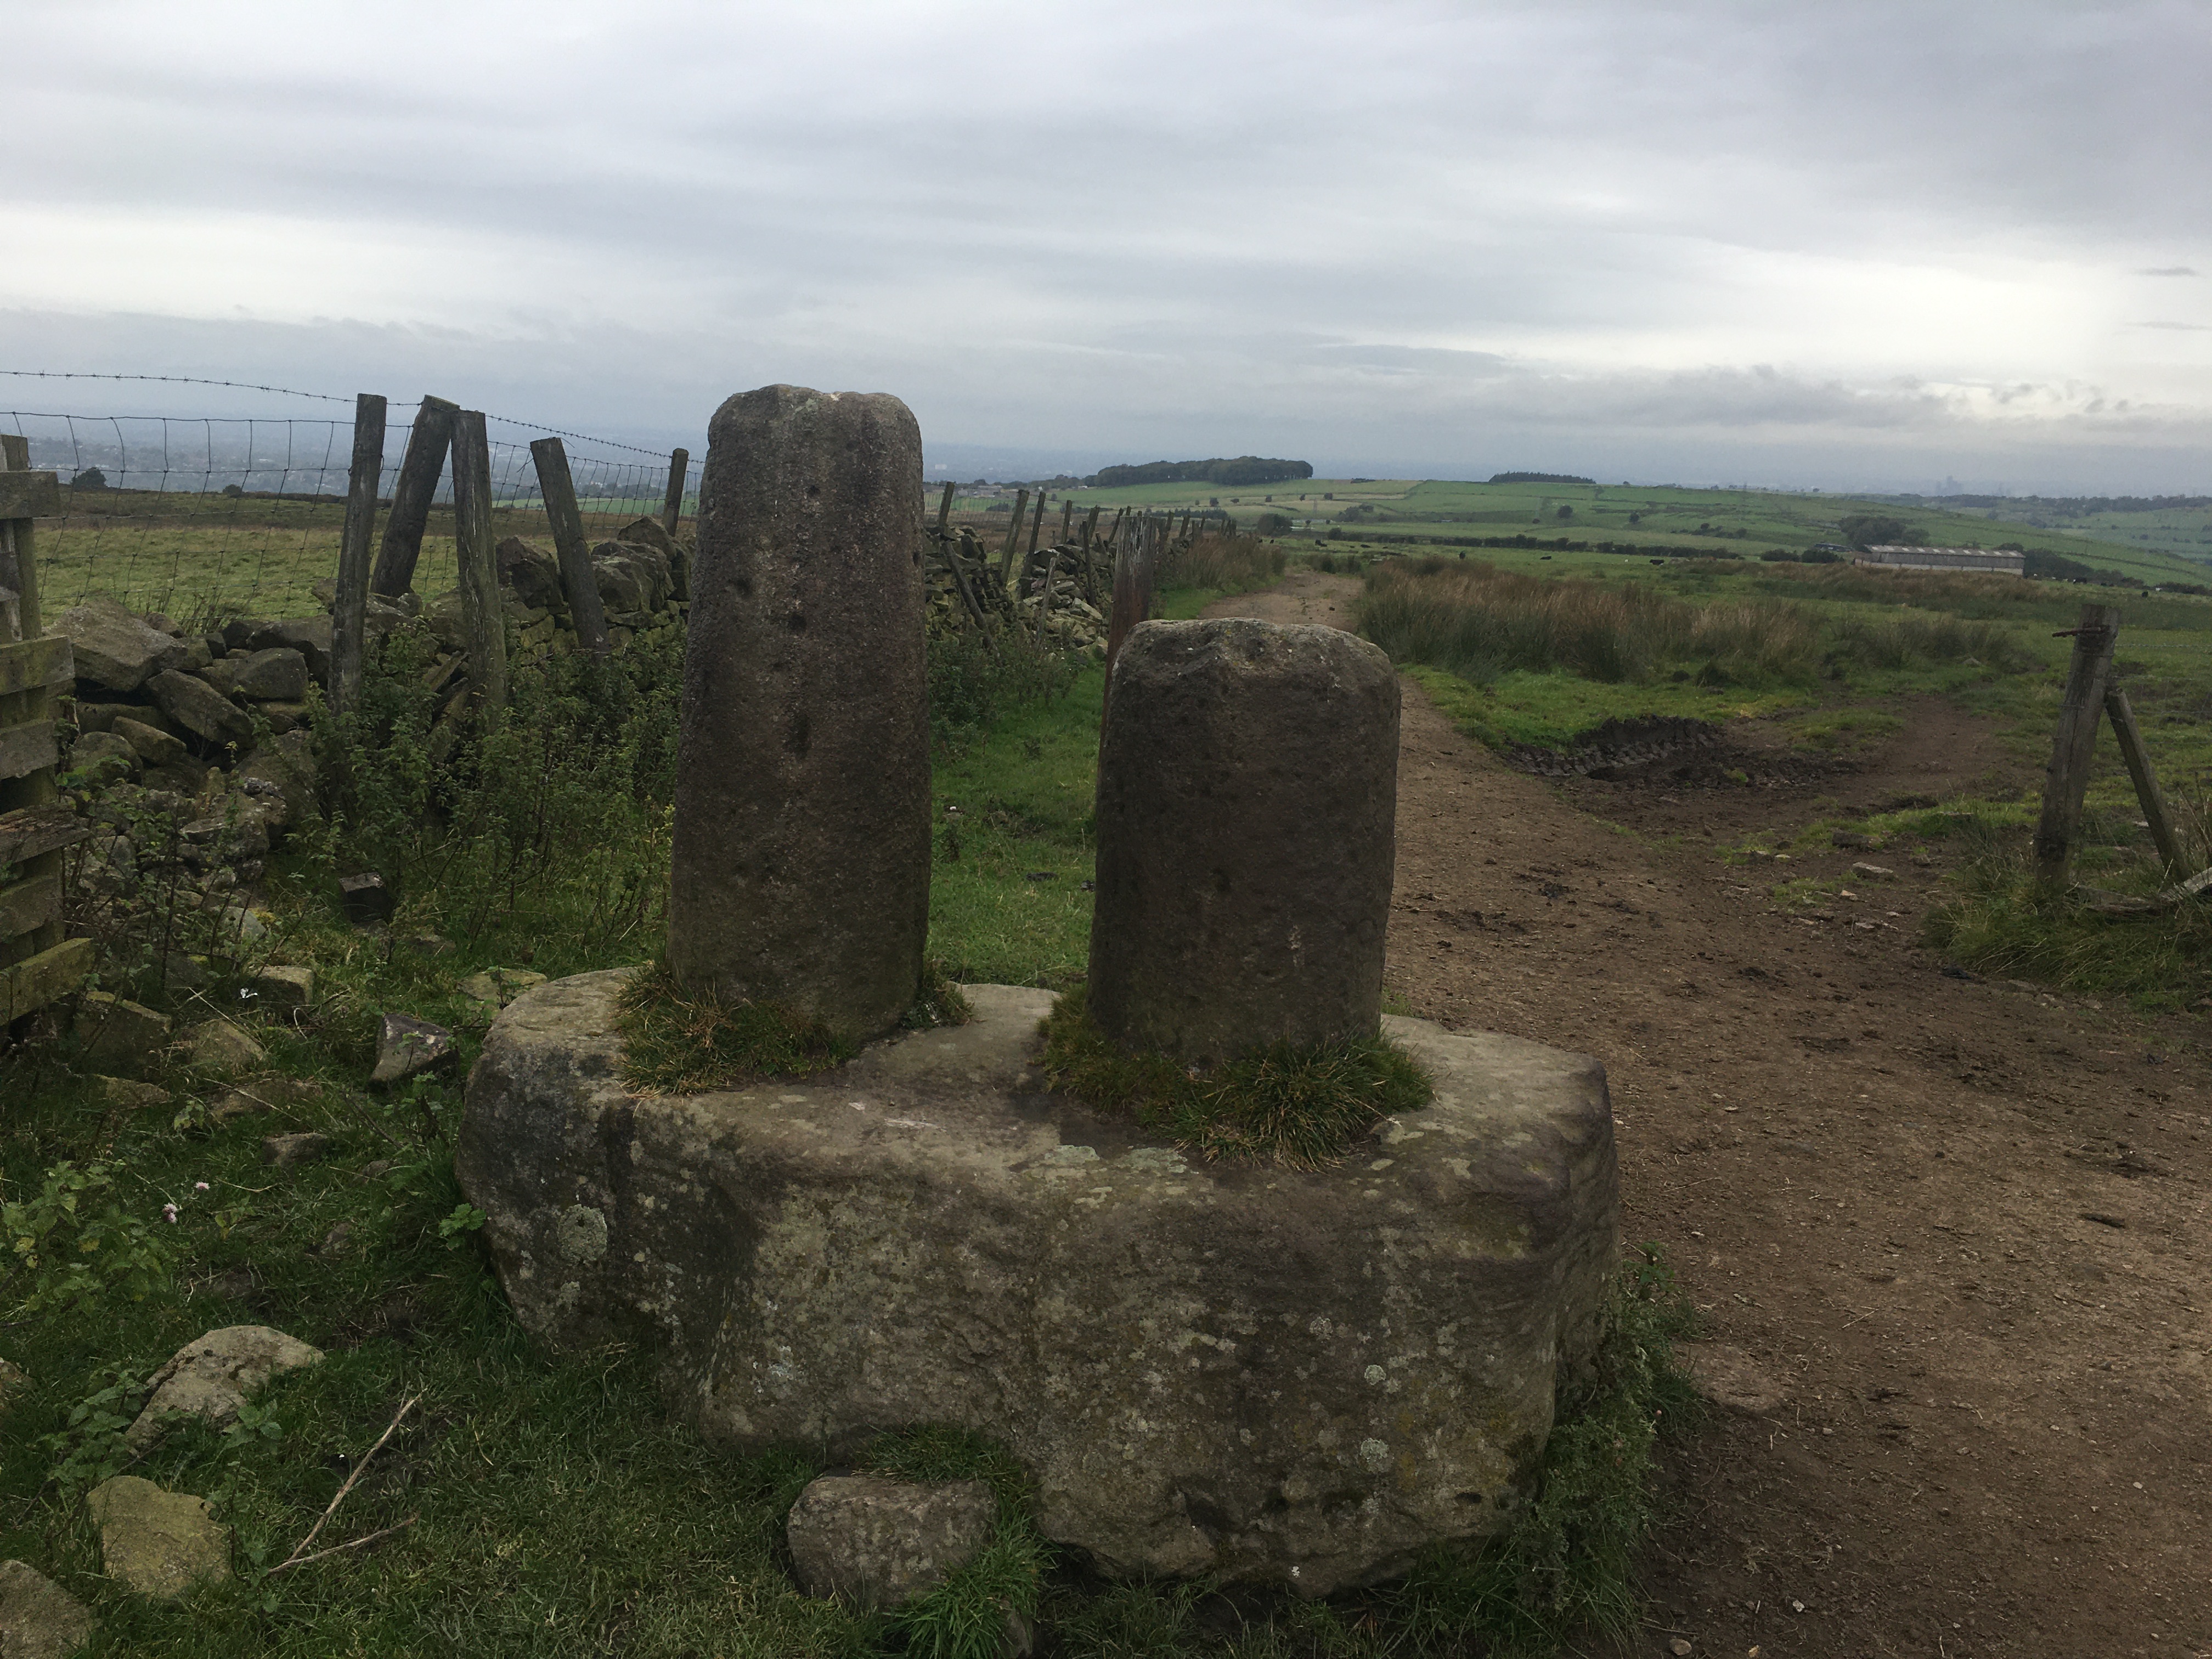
677	1040
939	1002
1300	1108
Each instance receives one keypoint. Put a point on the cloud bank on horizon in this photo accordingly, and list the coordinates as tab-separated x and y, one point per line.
1852	245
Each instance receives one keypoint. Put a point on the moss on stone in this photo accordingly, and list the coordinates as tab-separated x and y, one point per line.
681	1041
1301	1109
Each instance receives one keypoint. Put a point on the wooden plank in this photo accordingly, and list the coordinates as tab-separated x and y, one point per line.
2162	834
28	831
350	614
27	749
2066	781
578	583
30	985
21	536
479	565
29	665
28	904
417	486
29	495
672	506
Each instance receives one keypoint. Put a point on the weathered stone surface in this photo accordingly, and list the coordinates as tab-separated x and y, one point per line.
278	674
495	987
295	1150
158	1543
211	1377
405	1045
119	1035
1247	798
113	648
875	1542
126	1096
308	635
151	744
801	861
39	1620
283	767
198	707
283	987
365	897
222	1047
532	574
103	757
650	532
1261	1373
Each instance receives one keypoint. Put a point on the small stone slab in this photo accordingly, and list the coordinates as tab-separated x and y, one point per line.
39	1620
276	675
222	1047
405	1045
158	1543
210	1378
286	987
201	709
124	1095
119	1035
872	1541
293	1151
1301	1377
365	897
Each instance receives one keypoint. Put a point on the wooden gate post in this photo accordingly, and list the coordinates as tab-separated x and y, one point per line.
349	615
578	583
427	441
480	612
672	507
2067	780
37	964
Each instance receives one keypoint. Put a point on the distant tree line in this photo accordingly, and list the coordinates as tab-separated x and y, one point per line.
2077	506
1239	470
1539	477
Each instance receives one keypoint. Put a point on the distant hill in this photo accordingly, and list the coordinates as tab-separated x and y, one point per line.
1538	478
1241	469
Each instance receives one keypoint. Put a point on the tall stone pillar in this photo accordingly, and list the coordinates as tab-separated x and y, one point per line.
1247	806
801	856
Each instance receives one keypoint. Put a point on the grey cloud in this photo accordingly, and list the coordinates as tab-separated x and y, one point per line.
2167	270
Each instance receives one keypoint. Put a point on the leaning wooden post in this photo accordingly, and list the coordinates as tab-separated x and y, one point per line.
672	506
1044	597
1013	537
945	507
2146	781
481	613
2066	781
417	486
579	585
349	612
1133	597
1036	528
1067	518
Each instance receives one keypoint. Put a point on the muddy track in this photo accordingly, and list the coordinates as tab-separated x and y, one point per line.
1949	1237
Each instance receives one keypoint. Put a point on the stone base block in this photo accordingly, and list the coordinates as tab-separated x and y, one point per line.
1260	1373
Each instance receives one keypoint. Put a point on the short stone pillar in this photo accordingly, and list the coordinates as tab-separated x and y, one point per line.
1246	807
801	857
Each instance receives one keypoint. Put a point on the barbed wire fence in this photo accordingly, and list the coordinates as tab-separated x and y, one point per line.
205	519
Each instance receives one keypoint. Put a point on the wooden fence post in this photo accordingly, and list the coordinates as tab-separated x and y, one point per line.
945	507
2162	835
417	486
1013	537
578	582
1036	528
679	473
37	964
2067	780
350	614
480	612
1132	597
1067	518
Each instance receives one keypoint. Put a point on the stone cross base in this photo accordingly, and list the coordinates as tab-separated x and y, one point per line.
1258	1373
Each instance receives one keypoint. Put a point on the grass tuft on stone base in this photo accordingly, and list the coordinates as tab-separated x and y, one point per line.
1295	1108
679	1040
937	1003
980	1611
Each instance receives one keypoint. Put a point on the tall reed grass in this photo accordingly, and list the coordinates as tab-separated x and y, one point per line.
1234	563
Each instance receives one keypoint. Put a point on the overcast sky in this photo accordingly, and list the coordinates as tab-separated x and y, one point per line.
1842	244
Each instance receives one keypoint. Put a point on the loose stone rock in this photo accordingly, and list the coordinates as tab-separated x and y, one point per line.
292	1152
220	1046
152	745
801	857
198	707
119	1035
406	1045
124	1095
39	1620
875	1542
310	636
276	675
211	1377
158	1543
1247	800
103	757
366	898
112	647
285	987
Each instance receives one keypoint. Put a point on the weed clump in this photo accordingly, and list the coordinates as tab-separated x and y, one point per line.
681	1041
1298	1108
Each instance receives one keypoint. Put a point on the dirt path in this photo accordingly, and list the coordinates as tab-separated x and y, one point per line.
1951	1236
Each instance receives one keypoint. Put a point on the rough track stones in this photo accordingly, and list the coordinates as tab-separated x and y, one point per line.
801	858
1248	783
